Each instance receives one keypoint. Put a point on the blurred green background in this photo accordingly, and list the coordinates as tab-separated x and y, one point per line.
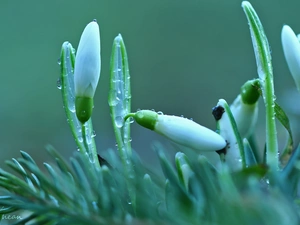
184	55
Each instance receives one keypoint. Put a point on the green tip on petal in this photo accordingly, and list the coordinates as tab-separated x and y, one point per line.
249	92
84	108
146	118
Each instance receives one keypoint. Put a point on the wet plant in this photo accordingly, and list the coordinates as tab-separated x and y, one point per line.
117	188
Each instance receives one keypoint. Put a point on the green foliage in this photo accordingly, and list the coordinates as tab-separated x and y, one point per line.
86	189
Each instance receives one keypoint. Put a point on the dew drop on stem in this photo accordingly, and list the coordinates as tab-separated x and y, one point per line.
58	83
119	121
131	120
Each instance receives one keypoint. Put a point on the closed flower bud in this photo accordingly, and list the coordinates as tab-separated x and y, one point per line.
245	108
180	130
291	49
87	71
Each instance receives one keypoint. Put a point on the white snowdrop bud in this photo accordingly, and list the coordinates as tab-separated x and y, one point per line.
291	49
181	130
87	70
245	108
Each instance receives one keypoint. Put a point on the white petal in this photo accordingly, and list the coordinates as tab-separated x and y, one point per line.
291	49
245	116
87	63
188	133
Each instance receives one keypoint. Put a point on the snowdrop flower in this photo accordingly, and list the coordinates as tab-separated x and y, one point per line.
245	108
87	71
180	130
291	49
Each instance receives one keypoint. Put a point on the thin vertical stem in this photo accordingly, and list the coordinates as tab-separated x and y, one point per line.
265	73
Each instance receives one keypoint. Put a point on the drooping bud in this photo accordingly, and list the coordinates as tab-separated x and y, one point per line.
180	130
87	71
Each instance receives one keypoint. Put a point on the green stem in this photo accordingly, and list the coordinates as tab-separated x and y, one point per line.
89	150
265	73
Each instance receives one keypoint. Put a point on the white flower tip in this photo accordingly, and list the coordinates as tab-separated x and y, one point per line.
188	133
87	63
291	49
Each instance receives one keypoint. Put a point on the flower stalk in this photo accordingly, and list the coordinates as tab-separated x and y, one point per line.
265	73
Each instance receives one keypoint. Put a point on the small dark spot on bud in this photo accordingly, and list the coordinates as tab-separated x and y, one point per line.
217	112
222	151
103	161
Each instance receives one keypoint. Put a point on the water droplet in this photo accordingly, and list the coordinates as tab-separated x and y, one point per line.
119	121
268	181
131	120
91	158
73	50
112	98
59	61
78	149
181	116
191	119
153	110
95	206
160	113
72	108
138	109
140	115
58	83
93	134
80	139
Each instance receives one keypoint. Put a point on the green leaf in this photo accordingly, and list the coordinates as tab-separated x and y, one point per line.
284	120
291	172
119	98
184	170
119	101
67	61
249	155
